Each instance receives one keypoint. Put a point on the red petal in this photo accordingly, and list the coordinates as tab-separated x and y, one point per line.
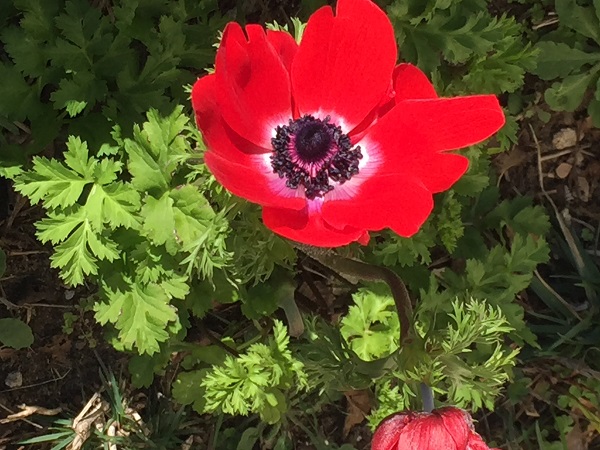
253	85
308	227
388	432
401	203
476	443
426	433
410	138
344	63
457	423
411	83
245	178
439	124
285	46
437	171
235	163
205	106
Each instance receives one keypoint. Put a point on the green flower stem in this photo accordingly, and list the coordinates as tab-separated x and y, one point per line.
293	316
427	397
369	272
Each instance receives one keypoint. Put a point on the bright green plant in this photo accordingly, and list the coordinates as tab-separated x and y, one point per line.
256	381
466	361
371	327
142	240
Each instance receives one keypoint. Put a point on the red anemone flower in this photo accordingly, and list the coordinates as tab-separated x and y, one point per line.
443	429
330	136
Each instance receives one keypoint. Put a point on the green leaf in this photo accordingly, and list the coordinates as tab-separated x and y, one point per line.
499	277
140	313
52	182
156	150
28	54
143	367
257	380
159	220
57	227
147	172
449	222
163	132
594	111
15	333
568	94
81	90
192	213
176	287
38	17
77	256
264	299
249	438
520	216
558	60
65	54
19	100
114	205
188	389
398	250
581	19
200	298
440	37
210	354
57	185
78	22
371	327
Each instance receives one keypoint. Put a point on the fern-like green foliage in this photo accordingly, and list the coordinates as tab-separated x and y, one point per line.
121	219
402	251
465	360
255	262
258	381
391	398
470	379
439	35
500	273
462	355
78	223
331	365
84	65
371	327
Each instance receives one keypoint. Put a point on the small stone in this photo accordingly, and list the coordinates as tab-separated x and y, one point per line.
14	380
563	170
565	138
583	189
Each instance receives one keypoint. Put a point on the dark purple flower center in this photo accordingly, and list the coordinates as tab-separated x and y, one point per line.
313	152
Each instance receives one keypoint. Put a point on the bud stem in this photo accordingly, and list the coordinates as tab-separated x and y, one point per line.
427	397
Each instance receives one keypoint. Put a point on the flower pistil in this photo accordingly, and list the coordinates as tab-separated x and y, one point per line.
313	153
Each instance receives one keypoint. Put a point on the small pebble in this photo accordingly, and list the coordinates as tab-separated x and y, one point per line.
565	138
583	189
14	380
563	170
